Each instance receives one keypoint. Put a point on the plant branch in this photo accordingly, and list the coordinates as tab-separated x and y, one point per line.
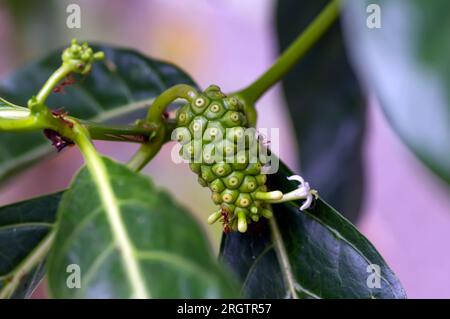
155	119
180	91
119	133
291	55
63	71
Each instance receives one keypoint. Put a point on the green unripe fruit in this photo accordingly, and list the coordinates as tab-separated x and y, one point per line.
244	200
238	166
229	196
217	186
215	111
209	153
199	105
261	179
235	134
233	180
232	119
195	167
212	131
233	104
217	198
248	185
254	210
182	135
198	126
241	157
192	151
207	173
184	115
214	92
253	169
222	169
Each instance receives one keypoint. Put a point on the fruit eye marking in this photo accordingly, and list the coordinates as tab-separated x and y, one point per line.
233	181
213	131
215	108
199	102
227	198
244	202
182	117
234	116
233	101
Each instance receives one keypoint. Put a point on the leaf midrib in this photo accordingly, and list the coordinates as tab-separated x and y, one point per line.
99	174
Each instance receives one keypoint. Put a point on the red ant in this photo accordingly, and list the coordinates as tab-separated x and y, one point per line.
69	80
61	114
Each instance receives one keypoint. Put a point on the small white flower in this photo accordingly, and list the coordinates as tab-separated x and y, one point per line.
303	191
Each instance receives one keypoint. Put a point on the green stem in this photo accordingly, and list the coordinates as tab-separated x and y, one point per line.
180	91
147	151
292	55
63	71
119	133
155	119
28	123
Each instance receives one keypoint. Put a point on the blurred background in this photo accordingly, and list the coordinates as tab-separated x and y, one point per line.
406	210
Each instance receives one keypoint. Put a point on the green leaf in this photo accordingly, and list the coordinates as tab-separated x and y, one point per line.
406	63
151	248
326	256
23	229
327	108
117	90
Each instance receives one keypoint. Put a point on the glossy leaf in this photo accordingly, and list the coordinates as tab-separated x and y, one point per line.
171	255
327	108
23	226
406	63
327	255
117	90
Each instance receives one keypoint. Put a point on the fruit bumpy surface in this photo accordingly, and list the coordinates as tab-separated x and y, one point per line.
212	131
